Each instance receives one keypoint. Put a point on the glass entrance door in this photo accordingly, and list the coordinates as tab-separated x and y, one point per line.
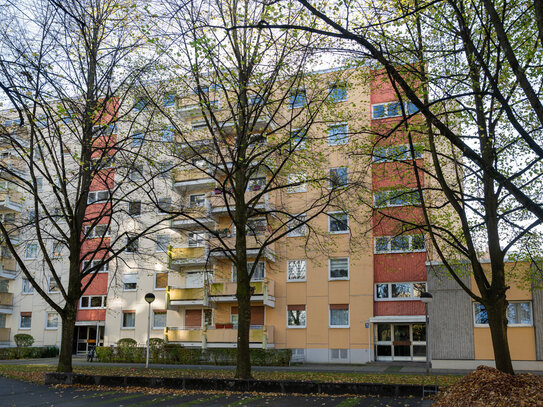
400	342
87	337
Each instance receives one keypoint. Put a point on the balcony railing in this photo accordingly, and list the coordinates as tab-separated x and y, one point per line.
11	200
5	334
263	335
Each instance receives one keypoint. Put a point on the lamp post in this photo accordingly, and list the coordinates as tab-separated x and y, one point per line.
149	297
427	298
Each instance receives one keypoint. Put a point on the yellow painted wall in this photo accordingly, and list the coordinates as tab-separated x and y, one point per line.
521	343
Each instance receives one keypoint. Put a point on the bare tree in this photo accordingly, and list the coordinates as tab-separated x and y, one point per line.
67	70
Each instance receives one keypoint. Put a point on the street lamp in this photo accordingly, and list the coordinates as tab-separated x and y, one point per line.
149	297
427	298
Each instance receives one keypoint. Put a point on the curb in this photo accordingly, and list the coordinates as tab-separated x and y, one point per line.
266	386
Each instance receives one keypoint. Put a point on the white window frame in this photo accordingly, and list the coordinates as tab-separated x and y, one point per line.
390	194
249	265
345	139
406	105
127	280
135	241
531	324
51	328
94	196
389	245
102	304
339	326
339	85
28	245
293	97
411	297
196	238
50	280
330	223
254	226
91	234
296	177
56	250
154	281
165	321
298	138
330	278
300	230
136	172
385	155
330	186
291	280
297	326
198	198
30	289
163	200
158	247
103	269
123	327
21	320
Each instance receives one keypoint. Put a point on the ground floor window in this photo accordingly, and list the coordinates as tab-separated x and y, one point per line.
402	341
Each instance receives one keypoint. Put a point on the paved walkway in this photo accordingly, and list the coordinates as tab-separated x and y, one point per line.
401	368
14	393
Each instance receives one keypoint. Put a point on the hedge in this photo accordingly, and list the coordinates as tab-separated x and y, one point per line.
176	354
28	353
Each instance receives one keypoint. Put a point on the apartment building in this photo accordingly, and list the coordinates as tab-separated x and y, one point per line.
354	299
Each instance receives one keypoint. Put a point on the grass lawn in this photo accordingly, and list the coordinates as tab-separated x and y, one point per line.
36	373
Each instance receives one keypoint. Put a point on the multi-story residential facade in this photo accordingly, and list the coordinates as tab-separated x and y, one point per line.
353	301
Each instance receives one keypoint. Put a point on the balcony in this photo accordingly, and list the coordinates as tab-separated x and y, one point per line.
6	303
218	202
7	273
193	178
262	336
197	221
219	291
11	200
195	109
252	250
5	334
189	256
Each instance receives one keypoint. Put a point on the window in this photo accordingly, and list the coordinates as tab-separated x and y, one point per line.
256	184
166	135
256	227
52	286
39	184
297	139
4	286
338	134
27	287
400	244
25	320
258	275
399	291
297	182
31	251
130	282
169	100
56	249
396	153
338	222
137	139
134	208
164	205
135	173
339	354
87	264
339	177
196	239
339	268
296	270
31	216
98	231
338	92
518	313
197	201
129	319
6	252
165	170
141	104
51	321
339	315
161	281
298	98
395	197
159	319
98	196
93	301
162	243
392	109
132	244
296	316
297	226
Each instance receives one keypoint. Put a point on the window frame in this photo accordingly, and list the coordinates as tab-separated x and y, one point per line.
129	242
84	266
123	320
161	311
345	138
385	156
29	284
51	328
21	316
296	189
96	194
389	244
411	297
330	178
333	87
485	325
405	197
301	229
407	106
51	279
139	212
158	247
297	280
103	303
330	317
330	218
155	287
125	282
297	98
305	318
330	278
35	245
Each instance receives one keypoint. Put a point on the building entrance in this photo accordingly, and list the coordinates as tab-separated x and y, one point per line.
400	342
87	337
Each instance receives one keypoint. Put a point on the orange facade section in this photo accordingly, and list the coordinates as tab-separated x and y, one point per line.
98	285
399	267
91	315
383	308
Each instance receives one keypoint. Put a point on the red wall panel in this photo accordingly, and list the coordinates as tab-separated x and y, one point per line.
91	315
382	308
399	267
98	285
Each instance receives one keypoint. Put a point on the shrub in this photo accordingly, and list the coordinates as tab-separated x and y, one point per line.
104	354
127	343
23	340
23	353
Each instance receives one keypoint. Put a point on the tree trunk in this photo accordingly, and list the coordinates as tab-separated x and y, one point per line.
497	320
66	344
243	367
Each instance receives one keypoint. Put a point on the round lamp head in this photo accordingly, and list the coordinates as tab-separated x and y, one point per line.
149	297
426	297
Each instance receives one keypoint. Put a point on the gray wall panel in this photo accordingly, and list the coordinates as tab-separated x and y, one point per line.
451	316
